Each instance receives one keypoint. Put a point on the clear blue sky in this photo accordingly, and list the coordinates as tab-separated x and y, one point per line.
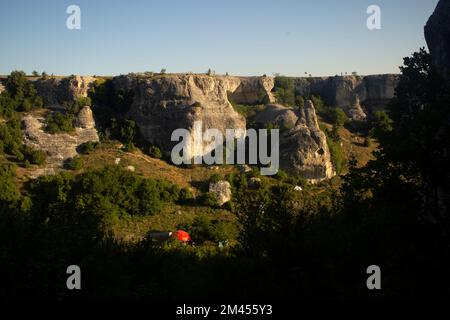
242	37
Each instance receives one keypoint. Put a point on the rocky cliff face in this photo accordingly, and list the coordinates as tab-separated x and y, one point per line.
437	34
277	115
372	92
253	90
164	104
59	147
56	91
303	146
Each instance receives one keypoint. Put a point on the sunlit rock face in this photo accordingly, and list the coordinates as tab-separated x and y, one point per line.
57	91
373	92
303	146
162	104
221	190
61	146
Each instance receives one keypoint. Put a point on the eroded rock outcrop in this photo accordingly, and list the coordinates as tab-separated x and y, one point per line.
164	104
304	149
355	112
221	190
373	91
277	115
437	35
59	147
303	146
57	91
253	90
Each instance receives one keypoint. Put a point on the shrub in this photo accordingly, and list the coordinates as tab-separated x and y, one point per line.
155	152
8	189
26	105
11	136
380	124
185	196
282	175
75	163
215	178
84	101
337	116
88	147
368	142
201	229
20	95
225	230
337	155
285	90
35	156
208	199
59	122
124	130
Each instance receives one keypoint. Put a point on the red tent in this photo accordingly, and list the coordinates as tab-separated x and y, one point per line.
182	236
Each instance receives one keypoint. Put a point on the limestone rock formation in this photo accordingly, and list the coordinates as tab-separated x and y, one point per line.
437	35
59	147
303	147
253	90
222	191
56	91
164	104
85	119
2	88
373	91
277	115
355	112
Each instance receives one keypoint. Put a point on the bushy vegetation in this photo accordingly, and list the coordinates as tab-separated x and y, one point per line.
333	115
208	199
206	228
33	156
10	136
248	111
11	144
337	154
285	91
58	122
20	95
88	147
125	131
64	122
155	152
75	163
379	124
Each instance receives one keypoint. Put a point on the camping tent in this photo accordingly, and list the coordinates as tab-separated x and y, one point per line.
182	236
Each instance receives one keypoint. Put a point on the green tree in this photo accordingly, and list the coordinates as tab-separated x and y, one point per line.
338	117
285	90
57	122
155	152
380	124
75	163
